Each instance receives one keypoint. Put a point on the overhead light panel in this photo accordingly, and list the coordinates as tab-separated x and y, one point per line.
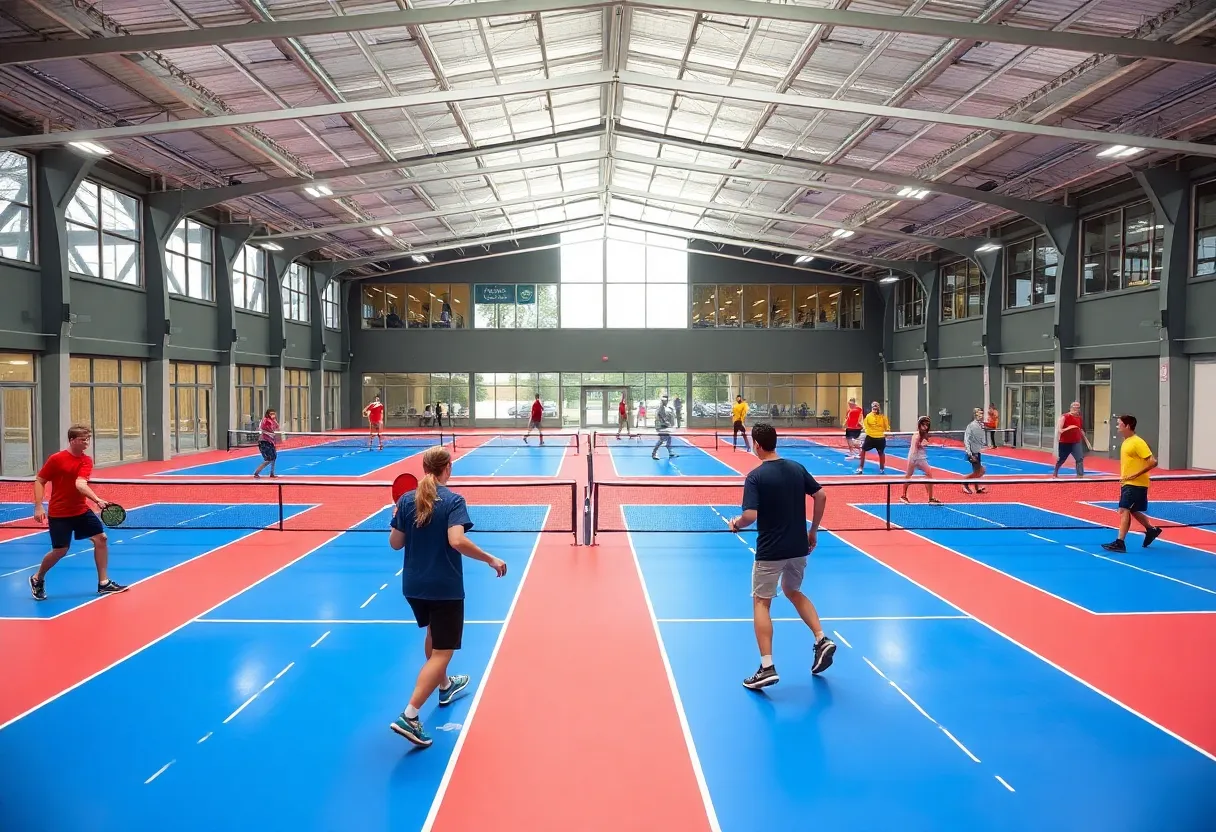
843	233
1119	151
913	193
92	148
317	191
987	247
889	279
806	258
270	247
382	231
420	258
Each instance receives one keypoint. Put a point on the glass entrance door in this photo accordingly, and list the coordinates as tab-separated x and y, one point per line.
593	408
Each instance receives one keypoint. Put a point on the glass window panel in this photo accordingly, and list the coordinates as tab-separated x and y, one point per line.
806	303
525	315
119	259
546	306
730	305
106	446
199	240
582	262
781	306
704	305
84	250
105	370
665	305
14	178
175	274
626	306
84	205
626	263
16	235
755	306
665	265
829	307
119	213
582	306
16	367
17	431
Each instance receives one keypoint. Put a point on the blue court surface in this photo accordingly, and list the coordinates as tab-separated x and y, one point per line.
510	456
927	720
300	675
10	512
828	458
183	532
348	457
630	457
1068	563
1201	513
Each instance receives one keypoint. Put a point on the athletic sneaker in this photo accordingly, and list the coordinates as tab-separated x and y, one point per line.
38	588
458	683
825	648
110	587
412	730
762	678
1115	546
1151	535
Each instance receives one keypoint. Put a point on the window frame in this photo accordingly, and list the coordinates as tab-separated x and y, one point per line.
239	269
101	233
209	296
1155	246
910	301
1038	275
27	208
331	307
1197	229
296	294
958	296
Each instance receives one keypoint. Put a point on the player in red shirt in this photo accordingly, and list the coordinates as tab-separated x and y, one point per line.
68	473
538	412
1072	437
622	417
852	429
375	420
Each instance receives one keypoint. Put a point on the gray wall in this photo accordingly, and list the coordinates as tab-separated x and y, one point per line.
958	390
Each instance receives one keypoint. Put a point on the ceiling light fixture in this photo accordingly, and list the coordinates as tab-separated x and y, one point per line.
318	191
382	231
1119	151
843	233
987	247
92	148
913	193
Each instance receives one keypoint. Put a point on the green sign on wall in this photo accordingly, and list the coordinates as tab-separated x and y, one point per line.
504	293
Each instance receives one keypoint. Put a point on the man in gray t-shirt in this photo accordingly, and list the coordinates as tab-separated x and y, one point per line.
664	419
973	444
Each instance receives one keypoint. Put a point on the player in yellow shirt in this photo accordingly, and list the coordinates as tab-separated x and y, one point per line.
1135	461
876	426
738	412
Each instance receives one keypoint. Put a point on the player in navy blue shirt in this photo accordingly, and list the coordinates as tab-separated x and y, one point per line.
430	524
774	497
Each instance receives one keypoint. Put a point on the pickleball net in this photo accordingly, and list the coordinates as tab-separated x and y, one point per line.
643	439
300	505
872	504
336	444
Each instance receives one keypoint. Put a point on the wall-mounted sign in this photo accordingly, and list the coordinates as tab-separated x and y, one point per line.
494	293
525	293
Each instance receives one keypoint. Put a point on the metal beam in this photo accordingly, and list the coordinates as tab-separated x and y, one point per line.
595	156
1095	137
735	173
584	79
434	215
955	244
1025	207
17	53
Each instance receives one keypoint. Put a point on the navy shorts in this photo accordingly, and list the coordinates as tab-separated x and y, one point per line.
83	526
445	618
852	433
269	452
1134	497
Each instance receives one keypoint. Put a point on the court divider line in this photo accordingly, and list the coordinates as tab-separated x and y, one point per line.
433	813
1037	655
188	621
698	771
821	618
1115	512
410	621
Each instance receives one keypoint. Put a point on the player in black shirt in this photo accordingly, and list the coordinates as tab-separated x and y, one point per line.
774	497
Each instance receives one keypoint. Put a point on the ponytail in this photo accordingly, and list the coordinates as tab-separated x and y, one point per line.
424	499
434	462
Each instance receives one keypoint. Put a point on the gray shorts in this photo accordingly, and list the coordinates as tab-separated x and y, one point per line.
533	425
766	574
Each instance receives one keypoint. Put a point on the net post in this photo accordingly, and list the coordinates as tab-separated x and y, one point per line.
595	510
574	510
888	486
279	488
586	515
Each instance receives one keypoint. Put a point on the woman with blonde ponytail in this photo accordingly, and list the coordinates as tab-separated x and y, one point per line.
430	524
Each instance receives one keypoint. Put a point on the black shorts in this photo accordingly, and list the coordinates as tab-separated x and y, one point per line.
852	433
269	452
871	443
1134	497
738	427
445	618
977	463
83	526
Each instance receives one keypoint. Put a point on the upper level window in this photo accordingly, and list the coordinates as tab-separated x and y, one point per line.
249	279
188	256
776	306
416	306
963	287
1030	272
1205	229
515	306
909	303
647	276
1121	250
295	293
16	207
103	234
331	304
582	278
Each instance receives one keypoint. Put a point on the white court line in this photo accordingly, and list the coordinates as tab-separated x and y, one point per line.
481	688
1149	572
186	623
698	772
205	737
1161	612
821	618
1090	524
1040	537
1001	780
159	772
87	548
321	639
1041	658
369	600
969	514
326	621
842	639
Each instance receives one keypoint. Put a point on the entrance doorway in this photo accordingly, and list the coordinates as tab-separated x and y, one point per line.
1095	405
598	406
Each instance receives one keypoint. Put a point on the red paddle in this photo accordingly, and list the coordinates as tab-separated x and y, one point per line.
404	484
